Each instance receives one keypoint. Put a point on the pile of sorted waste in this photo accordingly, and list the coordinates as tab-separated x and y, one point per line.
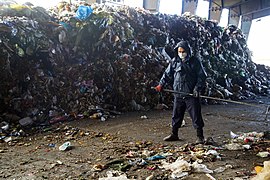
77	60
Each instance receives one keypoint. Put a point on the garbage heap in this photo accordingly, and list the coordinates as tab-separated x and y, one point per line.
85	60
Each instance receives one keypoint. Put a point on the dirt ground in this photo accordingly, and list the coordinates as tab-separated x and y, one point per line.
119	145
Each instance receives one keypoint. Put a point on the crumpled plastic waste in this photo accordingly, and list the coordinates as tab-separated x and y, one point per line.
233	135
152	158
219	169
65	146
83	12
180	168
234	146
201	168
111	175
264	173
4	126
258	169
247	137
263	154
247	146
214	153
26	121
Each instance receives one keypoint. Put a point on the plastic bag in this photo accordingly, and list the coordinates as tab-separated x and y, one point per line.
83	12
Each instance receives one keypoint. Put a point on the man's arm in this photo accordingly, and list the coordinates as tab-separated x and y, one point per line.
167	75
201	74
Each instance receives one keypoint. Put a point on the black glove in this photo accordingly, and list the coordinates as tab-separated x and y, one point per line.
196	92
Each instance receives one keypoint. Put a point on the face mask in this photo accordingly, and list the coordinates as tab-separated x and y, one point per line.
182	55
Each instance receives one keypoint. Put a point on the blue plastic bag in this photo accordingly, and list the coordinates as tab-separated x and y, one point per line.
83	12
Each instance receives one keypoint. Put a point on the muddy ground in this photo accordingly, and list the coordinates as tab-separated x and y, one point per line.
100	147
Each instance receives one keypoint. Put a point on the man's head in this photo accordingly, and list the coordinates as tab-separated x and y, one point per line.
183	50
182	53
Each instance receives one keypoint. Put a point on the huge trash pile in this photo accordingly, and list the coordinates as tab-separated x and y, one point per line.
85	60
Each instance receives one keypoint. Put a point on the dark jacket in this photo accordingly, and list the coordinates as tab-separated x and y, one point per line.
185	75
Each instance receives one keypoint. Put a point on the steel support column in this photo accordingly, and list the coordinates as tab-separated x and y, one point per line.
234	15
246	22
151	5
215	10
93	1
189	6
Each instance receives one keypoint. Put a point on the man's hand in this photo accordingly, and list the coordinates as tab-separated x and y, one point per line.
196	92
158	88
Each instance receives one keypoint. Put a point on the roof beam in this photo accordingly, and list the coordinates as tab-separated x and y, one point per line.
259	13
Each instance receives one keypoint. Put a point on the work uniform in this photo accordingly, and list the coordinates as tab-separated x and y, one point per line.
187	75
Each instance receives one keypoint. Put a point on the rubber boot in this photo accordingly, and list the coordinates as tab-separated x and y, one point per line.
200	137
173	136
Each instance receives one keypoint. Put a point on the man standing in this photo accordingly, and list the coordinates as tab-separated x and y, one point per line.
188	76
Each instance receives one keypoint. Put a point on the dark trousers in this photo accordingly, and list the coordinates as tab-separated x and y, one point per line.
193	106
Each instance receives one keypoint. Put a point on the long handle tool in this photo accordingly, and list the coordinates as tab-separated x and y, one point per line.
208	97
218	99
